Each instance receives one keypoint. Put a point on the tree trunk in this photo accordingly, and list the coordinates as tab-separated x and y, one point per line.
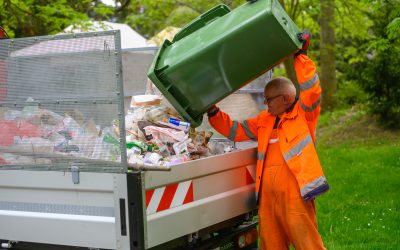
327	53
290	72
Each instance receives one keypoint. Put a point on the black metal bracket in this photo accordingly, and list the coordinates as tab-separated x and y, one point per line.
136	220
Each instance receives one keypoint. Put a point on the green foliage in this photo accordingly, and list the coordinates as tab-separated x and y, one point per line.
148	16
44	17
382	80
352	29
279	71
379	72
368	56
151	16
393	29
180	16
349	93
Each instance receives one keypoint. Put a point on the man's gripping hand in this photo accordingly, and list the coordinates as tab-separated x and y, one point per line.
304	37
213	110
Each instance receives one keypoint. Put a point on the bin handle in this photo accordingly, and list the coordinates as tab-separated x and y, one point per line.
201	21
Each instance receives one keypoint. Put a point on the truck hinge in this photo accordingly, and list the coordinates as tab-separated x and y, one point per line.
75	174
193	237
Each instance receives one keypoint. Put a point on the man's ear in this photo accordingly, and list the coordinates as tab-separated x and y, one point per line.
286	99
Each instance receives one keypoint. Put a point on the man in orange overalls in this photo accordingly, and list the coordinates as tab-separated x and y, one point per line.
288	175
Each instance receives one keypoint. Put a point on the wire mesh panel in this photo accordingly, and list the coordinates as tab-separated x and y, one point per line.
61	103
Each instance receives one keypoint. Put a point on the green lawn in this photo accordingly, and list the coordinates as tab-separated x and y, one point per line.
362	164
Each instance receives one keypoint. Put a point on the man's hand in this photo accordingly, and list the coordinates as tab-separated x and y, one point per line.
305	38
213	110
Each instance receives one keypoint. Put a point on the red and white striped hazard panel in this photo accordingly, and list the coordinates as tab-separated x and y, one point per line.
250	175
169	196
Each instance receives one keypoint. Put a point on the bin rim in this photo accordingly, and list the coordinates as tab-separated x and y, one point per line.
153	75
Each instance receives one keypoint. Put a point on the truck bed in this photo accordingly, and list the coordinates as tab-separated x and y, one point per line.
47	207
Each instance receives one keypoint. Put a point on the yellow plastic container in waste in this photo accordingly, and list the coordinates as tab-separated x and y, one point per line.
221	51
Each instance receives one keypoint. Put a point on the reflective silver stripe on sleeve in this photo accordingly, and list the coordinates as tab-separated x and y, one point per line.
313	106
233	130
298	148
247	130
260	156
313	185
310	83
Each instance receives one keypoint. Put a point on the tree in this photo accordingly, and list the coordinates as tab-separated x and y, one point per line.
327	51
44	17
305	14
293	10
379	71
150	16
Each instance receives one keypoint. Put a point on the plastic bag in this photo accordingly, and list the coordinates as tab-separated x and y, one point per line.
72	126
34	144
152	158
217	147
165	134
177	159
101	150
181	147
136	159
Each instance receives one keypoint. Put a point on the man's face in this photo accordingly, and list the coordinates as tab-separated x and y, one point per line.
275	101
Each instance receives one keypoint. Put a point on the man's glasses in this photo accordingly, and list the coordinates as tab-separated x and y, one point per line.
268	100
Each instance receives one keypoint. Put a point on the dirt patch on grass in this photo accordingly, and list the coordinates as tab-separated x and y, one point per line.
355	127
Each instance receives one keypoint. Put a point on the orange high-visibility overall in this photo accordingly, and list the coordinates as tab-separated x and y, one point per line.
288	174
284	217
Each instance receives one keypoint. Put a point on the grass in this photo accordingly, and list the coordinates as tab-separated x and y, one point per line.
362	164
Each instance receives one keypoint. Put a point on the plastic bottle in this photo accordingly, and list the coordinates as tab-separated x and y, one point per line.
181	124
162	148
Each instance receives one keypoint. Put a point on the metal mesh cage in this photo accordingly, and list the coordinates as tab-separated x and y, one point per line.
61	102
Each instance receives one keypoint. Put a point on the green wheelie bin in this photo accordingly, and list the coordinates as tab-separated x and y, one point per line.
219	52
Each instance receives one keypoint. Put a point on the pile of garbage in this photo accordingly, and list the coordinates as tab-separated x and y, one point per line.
34	134
157	135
